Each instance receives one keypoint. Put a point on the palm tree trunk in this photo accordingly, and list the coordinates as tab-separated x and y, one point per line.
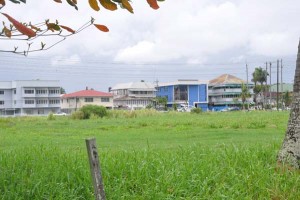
290	150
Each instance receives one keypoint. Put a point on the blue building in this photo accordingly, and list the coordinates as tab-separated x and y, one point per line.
187	92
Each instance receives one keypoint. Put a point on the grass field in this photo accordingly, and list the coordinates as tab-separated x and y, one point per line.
148	155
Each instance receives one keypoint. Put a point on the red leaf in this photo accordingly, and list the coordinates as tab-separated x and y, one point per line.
153	4
101	27
67	28
20	27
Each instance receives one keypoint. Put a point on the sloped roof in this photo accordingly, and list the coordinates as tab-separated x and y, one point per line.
135	85
87	93
226	79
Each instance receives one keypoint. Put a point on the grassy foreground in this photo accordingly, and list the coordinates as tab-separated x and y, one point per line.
148	155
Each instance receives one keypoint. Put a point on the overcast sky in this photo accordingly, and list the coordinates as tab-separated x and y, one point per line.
196	39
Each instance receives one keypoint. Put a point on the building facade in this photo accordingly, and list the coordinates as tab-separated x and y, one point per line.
225	91
74	101
134	95
186	92
31	97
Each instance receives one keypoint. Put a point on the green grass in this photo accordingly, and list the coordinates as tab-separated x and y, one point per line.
148	155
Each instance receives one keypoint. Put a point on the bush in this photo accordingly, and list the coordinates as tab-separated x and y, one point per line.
51	116
196	110
77	115
88	110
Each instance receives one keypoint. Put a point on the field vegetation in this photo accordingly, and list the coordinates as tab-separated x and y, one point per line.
148	155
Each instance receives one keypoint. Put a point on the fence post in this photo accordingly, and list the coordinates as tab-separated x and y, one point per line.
95	169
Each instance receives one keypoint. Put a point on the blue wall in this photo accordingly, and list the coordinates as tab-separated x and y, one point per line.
197	93
166	91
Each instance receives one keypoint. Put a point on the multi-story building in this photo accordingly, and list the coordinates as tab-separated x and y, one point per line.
73	101
225	91
134	95
29	97
186	92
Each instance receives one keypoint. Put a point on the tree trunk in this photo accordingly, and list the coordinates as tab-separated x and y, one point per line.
290	150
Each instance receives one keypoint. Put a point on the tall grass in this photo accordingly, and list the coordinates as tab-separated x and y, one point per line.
149	156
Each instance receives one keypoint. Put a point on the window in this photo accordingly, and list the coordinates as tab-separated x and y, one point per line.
180	93
15	91
1	102
15	102
166	89
88	100
29	101
54	101
104	99
1	91
41	101
41	91
53	91
29	91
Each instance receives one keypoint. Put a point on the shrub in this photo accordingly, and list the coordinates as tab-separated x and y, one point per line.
51	116
196	110
77	115
88	110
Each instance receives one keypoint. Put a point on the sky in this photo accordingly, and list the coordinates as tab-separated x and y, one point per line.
193	39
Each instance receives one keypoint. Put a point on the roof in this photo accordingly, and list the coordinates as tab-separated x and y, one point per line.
226	79
183	82
87	93
134	86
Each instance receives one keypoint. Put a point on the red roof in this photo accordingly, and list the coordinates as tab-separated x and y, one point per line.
87	93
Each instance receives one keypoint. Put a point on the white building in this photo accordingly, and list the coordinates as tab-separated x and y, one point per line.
74	101
133	95
31	97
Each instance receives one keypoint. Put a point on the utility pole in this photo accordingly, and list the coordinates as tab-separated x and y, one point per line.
265	90
281	85
247	74
277	85
270	85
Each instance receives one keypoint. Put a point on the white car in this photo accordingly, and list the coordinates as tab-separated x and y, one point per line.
60	114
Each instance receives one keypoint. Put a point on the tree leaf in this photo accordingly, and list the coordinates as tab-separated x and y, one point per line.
7	32
58	1
101	27
108	4
20	27
72	4
67	28
127	5
94	5
53	26
153	4
2	2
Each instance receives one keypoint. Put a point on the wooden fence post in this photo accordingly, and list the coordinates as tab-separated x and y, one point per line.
95	169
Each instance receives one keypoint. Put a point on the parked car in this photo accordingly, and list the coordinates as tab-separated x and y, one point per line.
60	114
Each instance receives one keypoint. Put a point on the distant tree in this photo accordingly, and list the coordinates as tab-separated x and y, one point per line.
28	32
259	76
286	98
245	94
161	101
62	91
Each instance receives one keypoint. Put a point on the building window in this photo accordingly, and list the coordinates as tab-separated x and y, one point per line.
15	91
42	101
166	89
1	91
52	91
1	102
104	99
88	99
181	93
41	111
41	91
29	91
29	101
54	101
15	102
